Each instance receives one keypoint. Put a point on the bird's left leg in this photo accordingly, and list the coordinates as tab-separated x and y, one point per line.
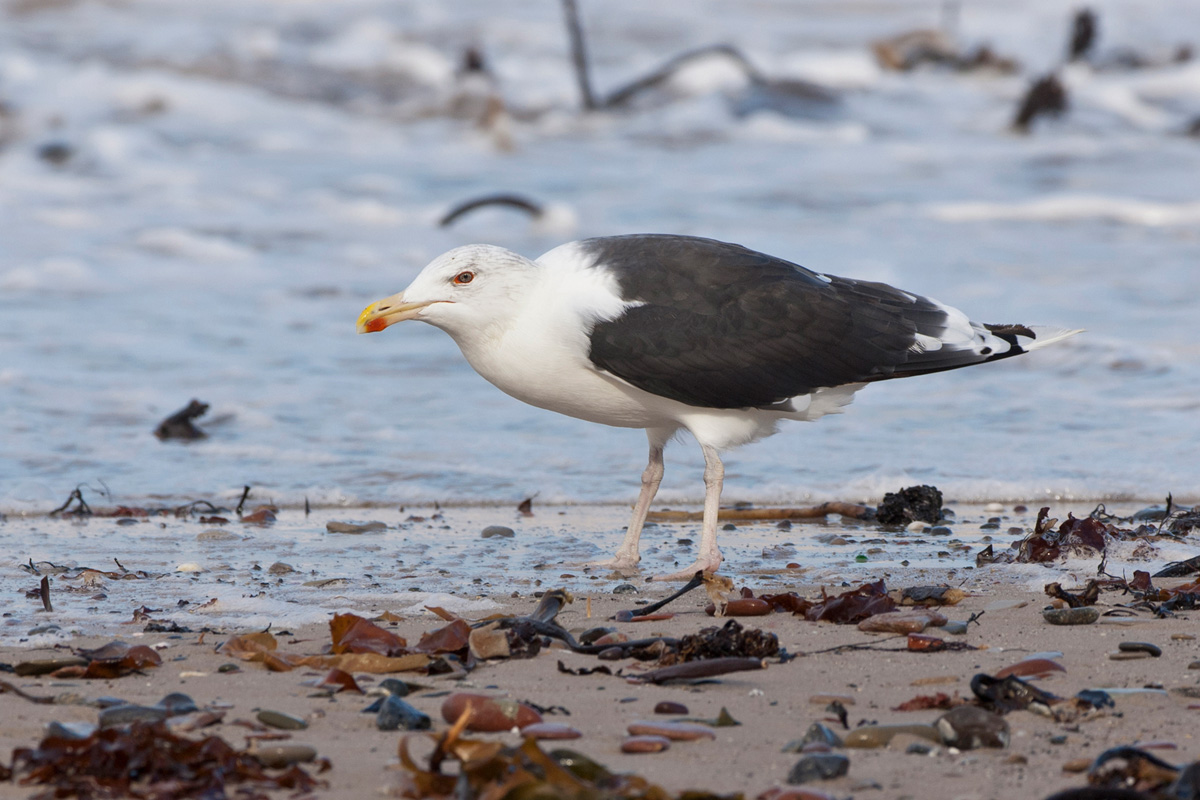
709	557
627	555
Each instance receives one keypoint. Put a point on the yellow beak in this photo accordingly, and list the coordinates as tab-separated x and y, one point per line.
387	311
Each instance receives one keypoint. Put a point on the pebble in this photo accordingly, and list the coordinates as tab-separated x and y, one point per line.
1005	605
645	744
1182	637
913	621
971	727
670	707
354	527
49	627
955	628
216	535
821	733
742	607
488	643
277	719
190	566
592	634
499	531
278	756
1140	647
818	767
73	731
675	731
550	730
126	714
625	588
1071	616
488	714
1119	655
280	568
1194	665
869	737
1037	667
941	530
1077	765
919	749
392	686
396	714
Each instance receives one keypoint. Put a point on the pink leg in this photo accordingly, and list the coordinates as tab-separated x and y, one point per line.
627	555
709	557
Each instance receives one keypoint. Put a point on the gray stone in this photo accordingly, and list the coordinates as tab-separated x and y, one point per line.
625	588
354	527
396	714
971	727
499	531
818	767
277	719
1071	616
1140	647
822	734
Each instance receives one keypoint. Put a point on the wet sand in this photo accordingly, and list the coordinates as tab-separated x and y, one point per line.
774	705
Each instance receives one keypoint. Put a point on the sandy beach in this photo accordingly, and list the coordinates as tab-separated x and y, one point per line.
1155	699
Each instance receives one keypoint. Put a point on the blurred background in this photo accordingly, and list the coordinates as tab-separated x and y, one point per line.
197	199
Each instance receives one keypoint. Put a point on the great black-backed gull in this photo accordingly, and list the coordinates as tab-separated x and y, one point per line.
676	332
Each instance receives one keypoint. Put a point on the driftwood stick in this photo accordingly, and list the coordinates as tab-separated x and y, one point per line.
693	670
623	95
579	54
851	510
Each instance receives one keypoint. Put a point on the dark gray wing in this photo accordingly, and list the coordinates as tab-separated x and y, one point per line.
722	326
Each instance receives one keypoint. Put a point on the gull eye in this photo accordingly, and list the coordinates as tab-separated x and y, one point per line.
464	278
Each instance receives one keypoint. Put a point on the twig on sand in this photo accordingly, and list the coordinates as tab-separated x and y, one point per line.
579	54
851	510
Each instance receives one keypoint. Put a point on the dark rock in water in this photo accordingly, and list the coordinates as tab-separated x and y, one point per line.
625	588
56	153
501	531
1084	615
395	714
179	425
1150	514
1083	34
1046	96
818	767
913	504
971	727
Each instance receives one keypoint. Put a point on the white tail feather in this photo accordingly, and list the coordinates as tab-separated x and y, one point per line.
1046	336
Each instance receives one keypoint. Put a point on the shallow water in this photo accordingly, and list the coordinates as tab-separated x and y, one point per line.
245	177
295	572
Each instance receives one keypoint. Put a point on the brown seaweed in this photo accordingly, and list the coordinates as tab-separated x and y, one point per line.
147	760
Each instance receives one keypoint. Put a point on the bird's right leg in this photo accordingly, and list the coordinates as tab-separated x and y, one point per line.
627	555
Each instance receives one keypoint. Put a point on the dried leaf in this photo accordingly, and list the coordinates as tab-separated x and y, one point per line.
446	639
353	634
